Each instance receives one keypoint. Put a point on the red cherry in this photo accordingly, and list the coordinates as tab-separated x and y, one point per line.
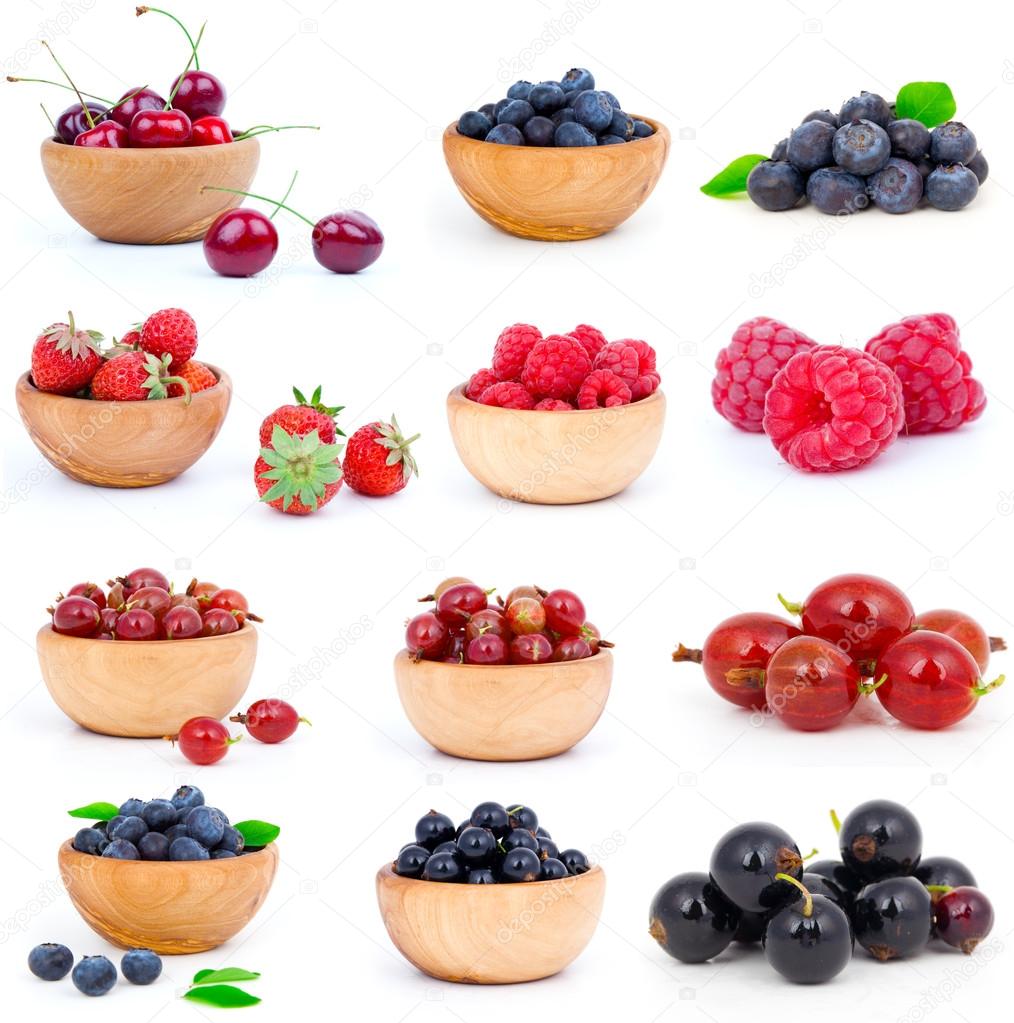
963	917
487	649
92	591
571	648
198	94
182	622
525	615
531	648
140	577
137	624
240	242
105	135
270	720
458	603
210	131
564	612
488	622
72	121
426	636
217	622
151	598
133	100
347	242
159	129
234	601
204	740
75	616
956	624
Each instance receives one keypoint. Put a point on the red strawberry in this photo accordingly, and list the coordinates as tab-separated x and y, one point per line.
378	460
298	475
195	373
301	419
135	376
171	331
64	359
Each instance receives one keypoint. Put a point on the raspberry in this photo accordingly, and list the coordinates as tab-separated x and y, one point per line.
925	352
555	367
553	405
507	394
512	348
832	408
478	382
633	362
603	389
747	365
591	337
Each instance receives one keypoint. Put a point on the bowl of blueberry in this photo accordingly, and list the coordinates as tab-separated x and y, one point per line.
555	161
492	900
171	875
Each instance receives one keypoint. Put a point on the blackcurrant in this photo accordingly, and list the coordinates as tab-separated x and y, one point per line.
522	817
411	860
818	884
892	918
751	928
433	829
552	869
880	839
519	839
492	816
836	871
476	847
481	875
810	941
963	917
443	866
746	861
575	861
520	865
691	919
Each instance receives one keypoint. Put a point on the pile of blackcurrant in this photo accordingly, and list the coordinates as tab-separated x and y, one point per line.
496	845
808	917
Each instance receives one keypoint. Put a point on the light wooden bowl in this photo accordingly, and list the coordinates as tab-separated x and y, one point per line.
171	908
555	195
148	196
491	934
504	712
145	690
123	443
556	457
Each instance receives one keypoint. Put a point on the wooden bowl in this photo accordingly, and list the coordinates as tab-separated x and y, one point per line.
556	457
504	712
555	195
171	908
145	690
123	443
148	196
491	934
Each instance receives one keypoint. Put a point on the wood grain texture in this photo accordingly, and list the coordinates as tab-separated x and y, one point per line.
556	195
148	196
491	934
145	690
504	712
556	457
123	443
171	908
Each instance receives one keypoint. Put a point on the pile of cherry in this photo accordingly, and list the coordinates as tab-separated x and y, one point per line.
857	634
881	894
530	626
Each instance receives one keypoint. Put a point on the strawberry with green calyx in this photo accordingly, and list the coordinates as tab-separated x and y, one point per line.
136	376
64	359
298	474
378	459
305	416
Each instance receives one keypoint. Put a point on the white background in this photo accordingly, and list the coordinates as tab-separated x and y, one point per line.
718	524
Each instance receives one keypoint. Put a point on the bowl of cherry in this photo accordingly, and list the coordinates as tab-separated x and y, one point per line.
492	900
137	659
516	678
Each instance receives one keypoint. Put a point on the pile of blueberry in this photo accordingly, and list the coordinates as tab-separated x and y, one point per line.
881	893
93	975
570	112
496	845
842	162
181	828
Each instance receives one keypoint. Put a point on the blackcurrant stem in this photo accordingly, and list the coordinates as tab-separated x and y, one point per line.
981	690
271	215
941	889
172	17
997	643
193	59
262	198
60	85
811	854
682	654
791	606
807	897
77	92
865	688
836	822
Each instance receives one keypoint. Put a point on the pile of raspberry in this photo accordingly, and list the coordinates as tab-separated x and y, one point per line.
827	407
562	372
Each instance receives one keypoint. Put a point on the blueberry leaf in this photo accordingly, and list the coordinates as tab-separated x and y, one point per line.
96	811
224	996
257	834
930	102
732	180
200	975
228	973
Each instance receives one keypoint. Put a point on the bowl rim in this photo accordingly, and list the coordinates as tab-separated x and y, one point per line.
387	872
67	849
49	143
26	384
661	131
459	392
600	655
48	629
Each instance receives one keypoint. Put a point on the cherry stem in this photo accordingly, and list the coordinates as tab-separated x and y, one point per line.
271	215
42	106
981	690
682	654
997	643
865	688
790	605
80	98
836	822
262	198
264	129
807	897
172	17
193	59
60	85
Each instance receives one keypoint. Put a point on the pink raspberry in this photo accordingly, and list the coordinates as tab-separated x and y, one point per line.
747	365
591	337
512	348
832	408
507	394
633	362
603	389
553	405
555	367
925	352
478	382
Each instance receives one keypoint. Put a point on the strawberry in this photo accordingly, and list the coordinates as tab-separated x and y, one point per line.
300	419
378	460
135	376
298	474
172	332
195	373
64	359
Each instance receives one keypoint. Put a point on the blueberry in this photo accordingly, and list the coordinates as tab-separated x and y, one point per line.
519	866
867	106
154	846
642	129
205	825
897	187
474	125
546	97
910	139
951	187
141	966
90	841
500	104
120	849
186	797
112	823
593	110
482	875
861	147
610	140
570	133
810	146
821	115
433	829
176	831
188	849
130	829
539	131
575	861
613	101
621	125
489	109
131	808
952	143
562	116
552	869
232	840
516	112
222	854
50	961
775	185
506	135
411	860
159	814
94	976
445	866
978	166
781	150
519	90
577	79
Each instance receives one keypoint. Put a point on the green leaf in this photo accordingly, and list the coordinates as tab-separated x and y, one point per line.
96	811
226	974
224	996
732	180
257	833
930	102
201	974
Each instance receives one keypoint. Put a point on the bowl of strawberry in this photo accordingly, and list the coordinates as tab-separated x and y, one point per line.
137	658
521	677
129	413
561	418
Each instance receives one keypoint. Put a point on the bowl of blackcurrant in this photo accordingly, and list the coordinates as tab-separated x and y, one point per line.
492	900
515	678
137	659
880	894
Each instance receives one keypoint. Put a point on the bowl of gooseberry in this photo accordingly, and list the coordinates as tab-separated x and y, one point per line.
138	659
517	678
